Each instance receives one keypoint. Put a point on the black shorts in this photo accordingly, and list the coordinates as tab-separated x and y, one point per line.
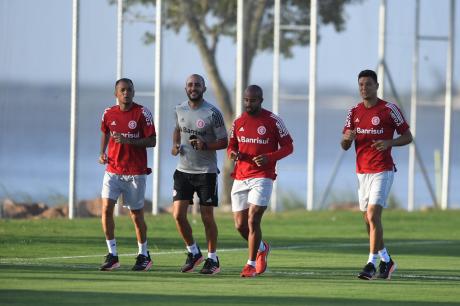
204	184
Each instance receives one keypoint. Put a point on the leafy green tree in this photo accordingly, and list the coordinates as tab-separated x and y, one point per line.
208	21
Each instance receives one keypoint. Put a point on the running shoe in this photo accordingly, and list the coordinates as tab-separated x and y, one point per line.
386	269
143	263
368	271
262	259
248	271
210	267
192	261
111	262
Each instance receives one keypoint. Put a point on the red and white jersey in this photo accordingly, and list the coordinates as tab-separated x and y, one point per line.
376	123
251	136
135	123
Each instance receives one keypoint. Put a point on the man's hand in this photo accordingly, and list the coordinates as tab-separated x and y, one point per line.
349	135
176	149
347	139
103	159
198	144
260	160
381	145
118	138
233	155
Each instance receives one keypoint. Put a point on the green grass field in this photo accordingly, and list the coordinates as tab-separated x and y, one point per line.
314	261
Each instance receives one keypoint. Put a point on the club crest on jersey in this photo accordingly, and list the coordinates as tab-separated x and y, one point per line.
261	130
375	120
132	124
200	123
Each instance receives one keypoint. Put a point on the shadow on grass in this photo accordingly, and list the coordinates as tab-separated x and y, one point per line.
32	297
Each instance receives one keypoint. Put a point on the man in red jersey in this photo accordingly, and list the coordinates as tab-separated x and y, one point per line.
127	130
371	125
258	139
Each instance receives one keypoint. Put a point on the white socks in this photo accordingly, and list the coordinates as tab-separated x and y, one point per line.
251	262
373	258
112	246
213	256
142	248
384	256
193	249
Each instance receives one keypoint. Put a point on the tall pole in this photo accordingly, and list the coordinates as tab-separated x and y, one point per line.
413	111
381	51
448	110
73	109
276	83
120	39
120	25
239	57
157	108
311	106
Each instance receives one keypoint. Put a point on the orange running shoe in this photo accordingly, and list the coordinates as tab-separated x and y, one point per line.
262	259
248	271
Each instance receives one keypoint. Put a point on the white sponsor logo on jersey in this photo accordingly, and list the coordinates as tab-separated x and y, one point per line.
369	131
128	135
375	120
132	124
253	140
357	120
113	123
261	130
200	123
241	129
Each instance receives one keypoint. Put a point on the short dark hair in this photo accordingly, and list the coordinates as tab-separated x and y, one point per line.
126	80
257	89
197	76
368	73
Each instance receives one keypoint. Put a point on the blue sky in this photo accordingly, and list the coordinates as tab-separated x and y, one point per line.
36	45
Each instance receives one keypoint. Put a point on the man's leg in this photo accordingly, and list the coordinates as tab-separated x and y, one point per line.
143	260
255	232
108	226
210	227
180	209
374	217
194	256
108	223
139	224
241	222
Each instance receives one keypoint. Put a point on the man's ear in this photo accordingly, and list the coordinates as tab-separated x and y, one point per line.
204	89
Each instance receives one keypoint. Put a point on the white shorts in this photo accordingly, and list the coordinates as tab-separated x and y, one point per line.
256	191
374	188
131	186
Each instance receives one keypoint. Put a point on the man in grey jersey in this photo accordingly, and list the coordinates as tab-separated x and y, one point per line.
199	132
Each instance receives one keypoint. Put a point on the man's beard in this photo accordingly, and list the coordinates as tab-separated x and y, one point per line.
196	99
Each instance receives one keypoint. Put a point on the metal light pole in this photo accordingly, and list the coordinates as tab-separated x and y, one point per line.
73	109
311	106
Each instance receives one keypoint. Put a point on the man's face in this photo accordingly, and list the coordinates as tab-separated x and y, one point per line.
367	88
194	88
124	92
252	101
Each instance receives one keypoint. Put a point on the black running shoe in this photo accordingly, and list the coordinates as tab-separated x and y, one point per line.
368	271
210	267
143	263
192	261
386	269
110	263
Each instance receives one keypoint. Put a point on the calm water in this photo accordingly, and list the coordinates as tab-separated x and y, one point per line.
34	145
